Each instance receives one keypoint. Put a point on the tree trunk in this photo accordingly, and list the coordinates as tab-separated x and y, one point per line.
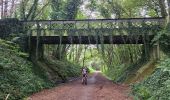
168	19
85	47
163	8
12	8
79	52
2	8
6	9
32	11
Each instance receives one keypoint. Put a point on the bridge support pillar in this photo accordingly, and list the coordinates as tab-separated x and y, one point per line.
36	52
155	54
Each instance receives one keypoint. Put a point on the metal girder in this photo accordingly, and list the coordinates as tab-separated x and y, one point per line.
152	19
102	29
125	39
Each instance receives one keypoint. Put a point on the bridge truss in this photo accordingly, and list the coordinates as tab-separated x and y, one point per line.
94	31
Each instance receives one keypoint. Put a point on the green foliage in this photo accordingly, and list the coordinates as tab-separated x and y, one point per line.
9	26
165	43
64	9
16	74
121	60
12	47
91	70
157	86
142	92
163	38
115	72
125	8
63	69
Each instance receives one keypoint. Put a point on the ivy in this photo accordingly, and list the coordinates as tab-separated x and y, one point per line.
156	86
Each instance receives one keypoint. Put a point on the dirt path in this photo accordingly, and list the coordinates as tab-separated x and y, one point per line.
98	88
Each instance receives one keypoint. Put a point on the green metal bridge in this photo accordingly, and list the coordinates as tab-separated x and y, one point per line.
93	31
87	31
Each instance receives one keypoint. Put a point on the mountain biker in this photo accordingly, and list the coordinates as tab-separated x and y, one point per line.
84	72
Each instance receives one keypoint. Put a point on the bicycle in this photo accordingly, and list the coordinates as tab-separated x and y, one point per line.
84	79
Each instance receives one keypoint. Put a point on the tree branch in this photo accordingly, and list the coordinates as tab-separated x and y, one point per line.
41	10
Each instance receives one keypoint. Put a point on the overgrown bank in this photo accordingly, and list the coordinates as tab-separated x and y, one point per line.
59	70
156	86
20	77
17	74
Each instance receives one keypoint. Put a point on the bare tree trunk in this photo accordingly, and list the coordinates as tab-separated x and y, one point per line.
32	11
23	4
12	7
79	51
6	9
163	8
2	8
168	19
84	54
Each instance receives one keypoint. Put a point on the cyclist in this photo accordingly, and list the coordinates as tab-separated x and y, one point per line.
84	74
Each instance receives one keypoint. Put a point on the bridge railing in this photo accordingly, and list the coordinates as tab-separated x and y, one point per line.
153	19
95	26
